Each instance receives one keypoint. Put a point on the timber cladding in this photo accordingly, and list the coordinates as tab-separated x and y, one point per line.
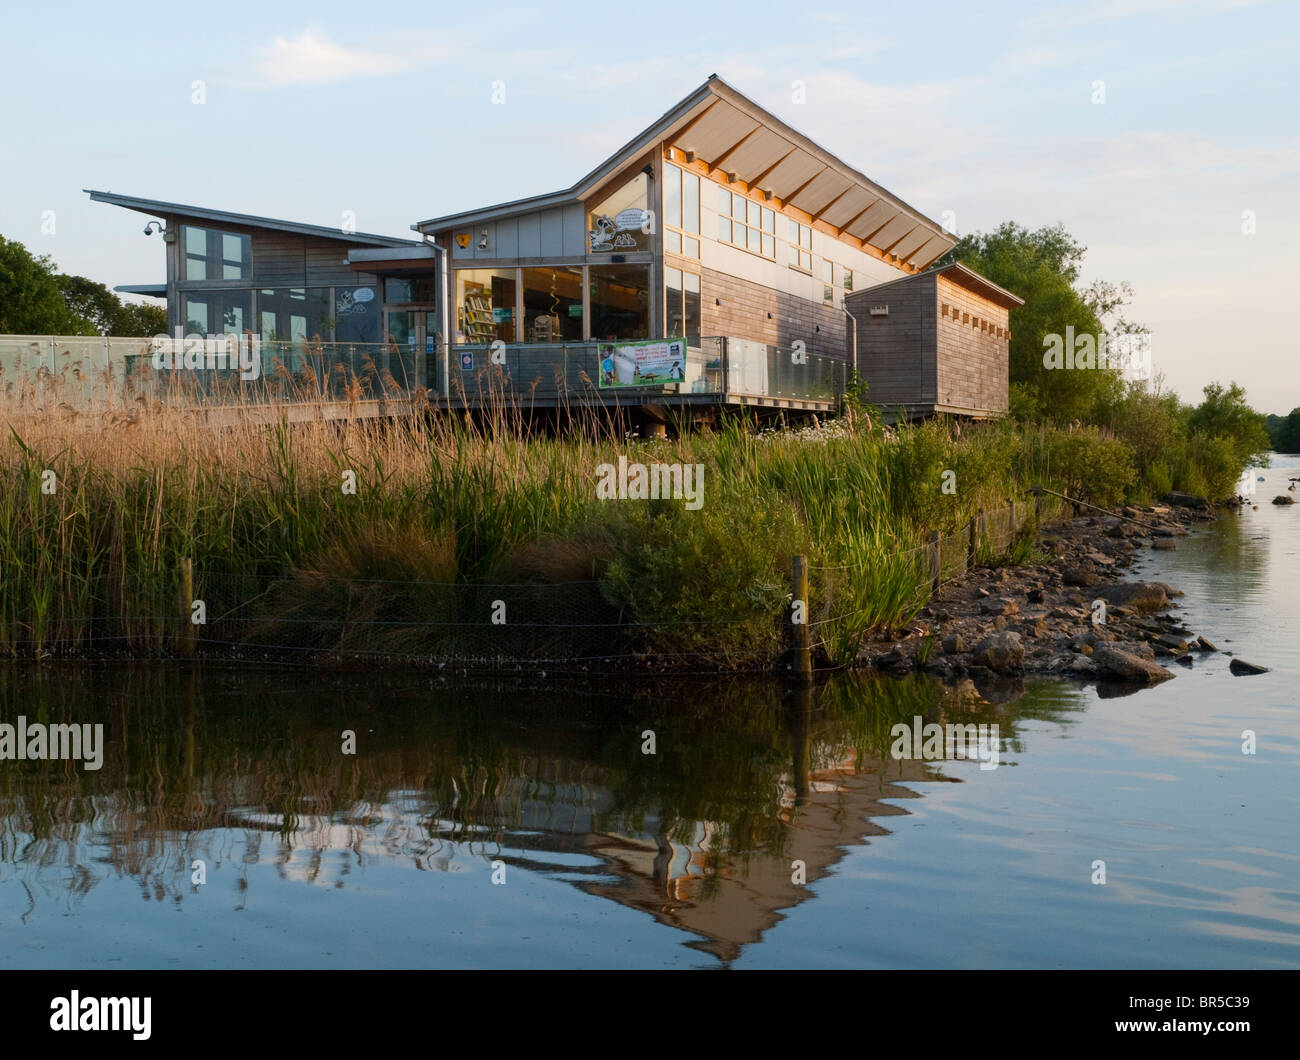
936	344
896	350
732	306
973	345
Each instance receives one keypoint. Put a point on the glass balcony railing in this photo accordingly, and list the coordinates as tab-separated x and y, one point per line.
85	372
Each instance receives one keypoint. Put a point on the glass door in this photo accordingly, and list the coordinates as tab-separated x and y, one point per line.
411	335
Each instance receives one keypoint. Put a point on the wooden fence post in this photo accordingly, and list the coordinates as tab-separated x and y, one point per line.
970	546
186	637
1012	501
935	560
800	640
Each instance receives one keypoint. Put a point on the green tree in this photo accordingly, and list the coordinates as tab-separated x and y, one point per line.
31	300
106	313
1043	267
1284	432
1225	414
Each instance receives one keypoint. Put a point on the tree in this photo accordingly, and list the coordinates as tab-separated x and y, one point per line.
1284	432
1225	414
107	313
31	301
1042	267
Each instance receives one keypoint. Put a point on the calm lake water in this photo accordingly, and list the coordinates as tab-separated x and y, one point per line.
683	858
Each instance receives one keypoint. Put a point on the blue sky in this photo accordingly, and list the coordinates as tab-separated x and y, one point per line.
983	110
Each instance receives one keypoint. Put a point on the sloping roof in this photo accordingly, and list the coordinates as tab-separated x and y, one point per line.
153	290
158	208
733	134
960	274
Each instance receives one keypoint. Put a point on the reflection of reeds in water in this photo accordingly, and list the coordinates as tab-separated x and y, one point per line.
244	770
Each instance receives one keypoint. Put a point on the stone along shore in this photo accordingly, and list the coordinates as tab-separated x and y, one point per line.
1073	615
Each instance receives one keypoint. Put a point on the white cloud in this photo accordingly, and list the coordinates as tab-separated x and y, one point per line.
312	59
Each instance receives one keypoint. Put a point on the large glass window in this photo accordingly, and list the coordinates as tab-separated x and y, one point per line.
617	220
800	237
415	289
681	211
356	315
744	223
828	281
211	254
485	306
620	302
682	303
294	313
218	312
553	304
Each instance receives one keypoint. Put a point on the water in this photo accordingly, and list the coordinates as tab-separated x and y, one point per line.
683	858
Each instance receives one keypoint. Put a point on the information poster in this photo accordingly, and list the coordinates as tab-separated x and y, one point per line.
642	363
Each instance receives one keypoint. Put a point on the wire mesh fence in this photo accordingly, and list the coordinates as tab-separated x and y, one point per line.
314	617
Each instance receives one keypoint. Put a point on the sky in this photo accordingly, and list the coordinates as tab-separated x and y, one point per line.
1163	134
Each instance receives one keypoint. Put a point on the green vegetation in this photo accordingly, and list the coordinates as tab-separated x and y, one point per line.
447	519
1284	432
1199	449
36	299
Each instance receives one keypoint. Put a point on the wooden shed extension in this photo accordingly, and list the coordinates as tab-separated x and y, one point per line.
935	342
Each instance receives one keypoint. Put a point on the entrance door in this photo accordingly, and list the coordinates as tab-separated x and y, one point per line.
411	333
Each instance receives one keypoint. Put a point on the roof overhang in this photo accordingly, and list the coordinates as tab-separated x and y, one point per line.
159	208
377	259
960	274
967	277
732	134
153	290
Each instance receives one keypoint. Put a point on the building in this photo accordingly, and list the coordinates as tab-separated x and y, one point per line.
718	226
935	342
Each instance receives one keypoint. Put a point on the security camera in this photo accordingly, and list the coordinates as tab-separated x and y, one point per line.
149	228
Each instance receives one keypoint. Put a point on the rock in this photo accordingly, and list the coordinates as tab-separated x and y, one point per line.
1034	596
1001	652
1243	669
999	605
1172	643
1139	648
1164	544
955	644
1282	498
1112	661
1141	596
1099	558
1186	500
1185	660
1079	576
1036	628
1203	644
940	667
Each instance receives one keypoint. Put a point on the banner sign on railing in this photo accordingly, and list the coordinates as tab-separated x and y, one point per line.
642	363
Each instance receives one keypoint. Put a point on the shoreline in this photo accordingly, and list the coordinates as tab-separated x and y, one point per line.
1074	615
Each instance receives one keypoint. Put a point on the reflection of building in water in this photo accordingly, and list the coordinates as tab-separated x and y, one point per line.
551	816
729	893
570	808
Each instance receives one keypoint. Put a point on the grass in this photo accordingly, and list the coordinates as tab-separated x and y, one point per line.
453	522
